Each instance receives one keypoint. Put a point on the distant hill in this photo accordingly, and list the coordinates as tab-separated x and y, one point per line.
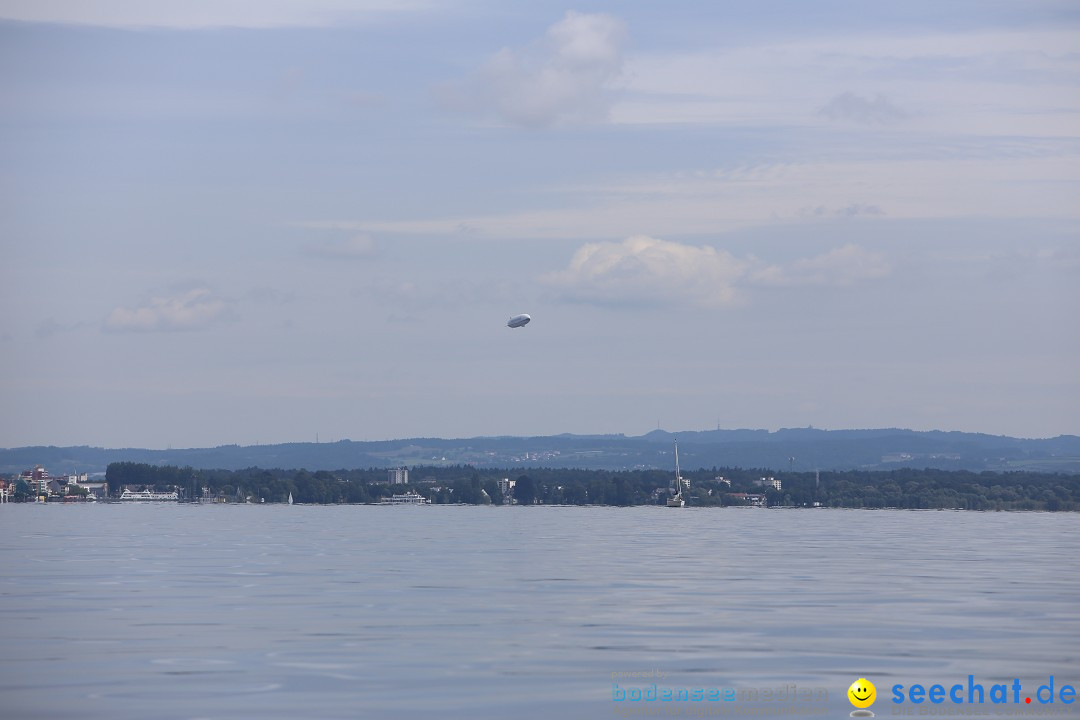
799	449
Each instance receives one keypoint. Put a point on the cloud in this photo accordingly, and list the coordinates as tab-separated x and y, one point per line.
642	270
1015	182
856	209
852	210
841	266
1015	82
192	310
195	14
49	327
357	246
854	108
561	78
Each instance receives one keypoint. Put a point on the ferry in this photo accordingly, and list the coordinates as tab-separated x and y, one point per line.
149	496
409	498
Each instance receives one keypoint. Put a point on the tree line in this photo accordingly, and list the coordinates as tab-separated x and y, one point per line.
904	488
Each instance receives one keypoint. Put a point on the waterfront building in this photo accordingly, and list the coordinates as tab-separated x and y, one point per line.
751	499
99	490
37	479
769	482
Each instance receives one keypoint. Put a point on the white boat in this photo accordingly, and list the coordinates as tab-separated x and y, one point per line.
677	499
149	496
409	498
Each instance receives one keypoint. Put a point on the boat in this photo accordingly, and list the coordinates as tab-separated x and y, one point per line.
677	499
149	496
409	498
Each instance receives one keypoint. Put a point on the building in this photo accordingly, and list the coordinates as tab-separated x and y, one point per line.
99	490
750	499
37	479
44	485
506	486
769	482
399	476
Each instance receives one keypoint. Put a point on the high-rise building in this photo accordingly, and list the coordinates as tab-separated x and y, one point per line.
37	479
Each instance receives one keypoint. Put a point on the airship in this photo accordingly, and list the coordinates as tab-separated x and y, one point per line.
519	321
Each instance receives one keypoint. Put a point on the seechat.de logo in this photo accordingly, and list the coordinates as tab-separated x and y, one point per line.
973	693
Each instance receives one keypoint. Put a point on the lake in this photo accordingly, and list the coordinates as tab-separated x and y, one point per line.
273	611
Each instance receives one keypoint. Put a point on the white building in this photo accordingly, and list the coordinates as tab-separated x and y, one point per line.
398	476
506	486
768	482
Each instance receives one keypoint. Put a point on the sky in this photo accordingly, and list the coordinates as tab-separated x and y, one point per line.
256	221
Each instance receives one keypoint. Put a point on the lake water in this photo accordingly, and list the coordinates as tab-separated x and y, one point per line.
180	611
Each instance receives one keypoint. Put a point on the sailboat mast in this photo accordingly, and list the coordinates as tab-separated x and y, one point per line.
677	499
678	477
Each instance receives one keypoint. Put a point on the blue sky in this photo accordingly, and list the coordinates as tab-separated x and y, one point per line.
253	222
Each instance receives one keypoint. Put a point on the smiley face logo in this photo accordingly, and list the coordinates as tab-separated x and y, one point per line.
862	693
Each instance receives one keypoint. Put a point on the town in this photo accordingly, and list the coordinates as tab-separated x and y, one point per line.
906	488
136	482
38	485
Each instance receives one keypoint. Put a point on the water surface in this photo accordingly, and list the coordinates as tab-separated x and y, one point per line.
181	611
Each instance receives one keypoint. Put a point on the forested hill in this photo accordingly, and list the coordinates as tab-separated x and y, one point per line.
798	449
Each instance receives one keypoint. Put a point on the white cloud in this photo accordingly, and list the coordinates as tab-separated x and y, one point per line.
642	270
357	246
563	77
192	310
840	266
1010	183
1016	82
194	14
854	108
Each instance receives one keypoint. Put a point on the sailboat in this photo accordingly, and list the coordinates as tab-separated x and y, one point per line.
677	500
290	498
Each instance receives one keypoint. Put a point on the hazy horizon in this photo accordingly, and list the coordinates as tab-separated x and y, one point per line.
319	440
254	223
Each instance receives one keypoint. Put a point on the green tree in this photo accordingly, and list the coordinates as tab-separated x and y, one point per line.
22	491
525	490
493	491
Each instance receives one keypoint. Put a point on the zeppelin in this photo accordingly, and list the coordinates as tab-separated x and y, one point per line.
519	321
